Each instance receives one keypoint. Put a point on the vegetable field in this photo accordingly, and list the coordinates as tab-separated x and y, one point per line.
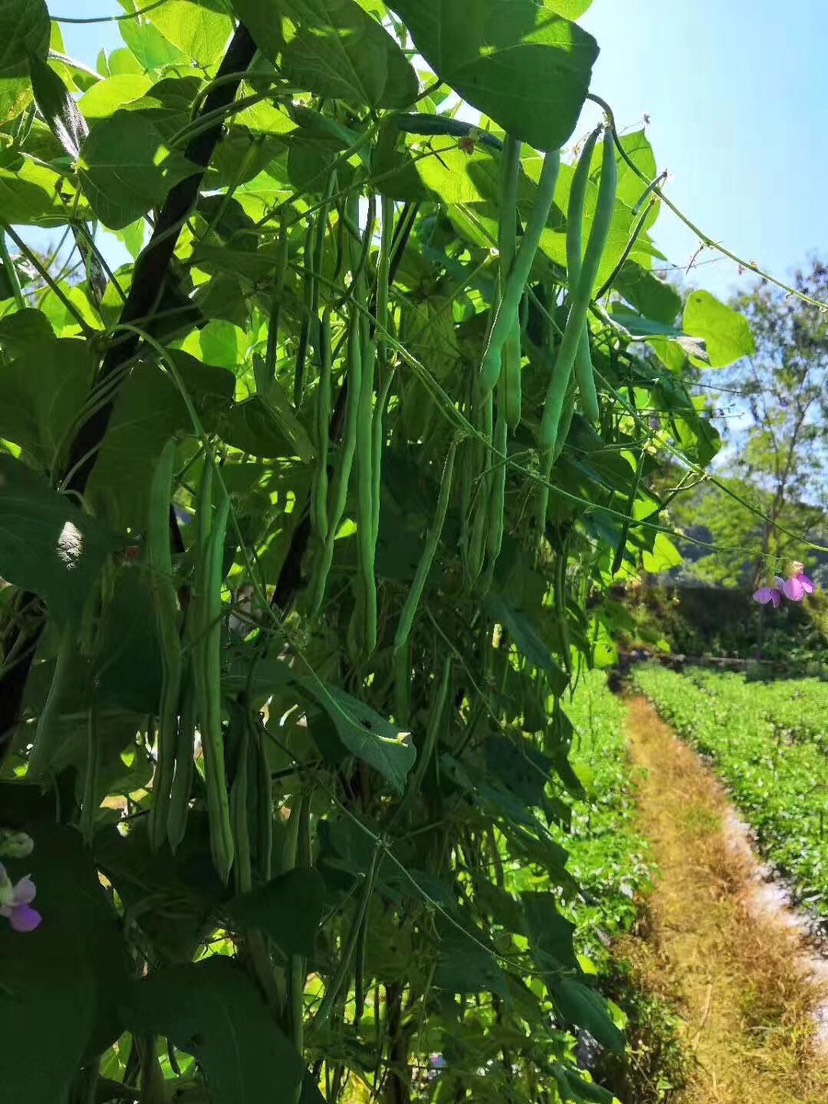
767	743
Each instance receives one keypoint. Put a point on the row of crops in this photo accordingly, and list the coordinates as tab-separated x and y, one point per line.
768	744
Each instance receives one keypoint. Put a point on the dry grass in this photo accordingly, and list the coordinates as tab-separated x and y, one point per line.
733	972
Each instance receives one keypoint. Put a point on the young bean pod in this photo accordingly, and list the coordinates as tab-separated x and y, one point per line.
165	605
580	290
509	307
182	784
412	601
206	654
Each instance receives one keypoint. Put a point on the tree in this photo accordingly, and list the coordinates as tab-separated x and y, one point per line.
780	399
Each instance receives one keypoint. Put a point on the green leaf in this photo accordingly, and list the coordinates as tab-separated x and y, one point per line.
200	34
125	169
47	544
288	909
551	934
569	9
365	733
148	410
664	556
584	1007
57	107
527	69
464	965
638	149
60	983
44	387
725	332
522	630
333	48
211	1010
255	426
24	31
148	46
652	297
30	196
105	97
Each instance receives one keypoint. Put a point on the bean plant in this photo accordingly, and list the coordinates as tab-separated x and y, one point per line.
328	421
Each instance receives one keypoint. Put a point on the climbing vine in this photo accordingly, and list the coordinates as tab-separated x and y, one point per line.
323	437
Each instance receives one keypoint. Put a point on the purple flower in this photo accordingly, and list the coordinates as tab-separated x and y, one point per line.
15	901
799	584
437	1064
771	594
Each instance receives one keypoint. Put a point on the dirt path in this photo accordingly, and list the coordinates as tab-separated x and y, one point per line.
729	964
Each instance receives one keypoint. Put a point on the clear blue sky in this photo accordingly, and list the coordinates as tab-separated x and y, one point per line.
736	91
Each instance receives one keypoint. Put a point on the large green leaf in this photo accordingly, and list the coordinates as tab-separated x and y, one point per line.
47	544
522	65
43	389
584	1007
211	1010
652	297
288	909
60	983
24	30
725	332
569	9
57	107
30	196
332	47
125	169
199	33
365	733
149	409
465	965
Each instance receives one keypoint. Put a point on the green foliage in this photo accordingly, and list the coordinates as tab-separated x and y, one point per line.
302	847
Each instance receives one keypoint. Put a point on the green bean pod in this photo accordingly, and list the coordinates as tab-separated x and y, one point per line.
509	307
366	533
165	605
89	803
47	732
264	811
182	784
412	600
497	498
242	867
206	653
507	247
382	330
581	292
319	491
342	476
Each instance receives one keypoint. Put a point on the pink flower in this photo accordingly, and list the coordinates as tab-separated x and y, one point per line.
15	901
771	594
799	584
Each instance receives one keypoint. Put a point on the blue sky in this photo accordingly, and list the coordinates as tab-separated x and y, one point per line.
736	93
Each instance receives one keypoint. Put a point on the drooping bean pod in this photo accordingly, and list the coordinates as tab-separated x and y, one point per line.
512	292
412	600
580	297
206	659
167	621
